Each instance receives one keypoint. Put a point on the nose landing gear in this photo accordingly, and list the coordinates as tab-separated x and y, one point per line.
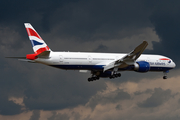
164	77
165	74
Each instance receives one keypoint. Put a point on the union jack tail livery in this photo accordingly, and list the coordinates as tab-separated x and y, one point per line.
37	42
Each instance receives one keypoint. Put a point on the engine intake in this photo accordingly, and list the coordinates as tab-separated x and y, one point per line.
141	66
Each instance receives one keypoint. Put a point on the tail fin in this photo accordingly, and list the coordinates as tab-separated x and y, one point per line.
37	42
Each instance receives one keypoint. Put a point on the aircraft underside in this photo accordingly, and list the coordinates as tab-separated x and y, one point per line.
100	67
97	70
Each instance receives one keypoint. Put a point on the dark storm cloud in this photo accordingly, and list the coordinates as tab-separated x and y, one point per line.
158	98
118	107
44	88
35	115
8	107
12	11
82	20
146	92
12	84
165	18
59	116
75	18
101	48
114	97
93	20
52	92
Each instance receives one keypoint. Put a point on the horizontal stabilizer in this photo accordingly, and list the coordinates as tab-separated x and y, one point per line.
17	57
44	54
26	60
22	59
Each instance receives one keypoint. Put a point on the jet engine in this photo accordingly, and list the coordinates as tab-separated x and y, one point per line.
141	66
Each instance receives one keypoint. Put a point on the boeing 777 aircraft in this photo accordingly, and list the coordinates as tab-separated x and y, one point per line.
100	64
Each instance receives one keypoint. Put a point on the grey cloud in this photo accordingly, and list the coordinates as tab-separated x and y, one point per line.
35	115
56	91
12	84
103	20
118	107
8	107
158	98
112	97
144	92
101	48
43	87
179	101
50	89
165	18
59	116
81	20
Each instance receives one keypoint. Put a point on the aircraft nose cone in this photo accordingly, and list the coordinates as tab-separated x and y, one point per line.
173	65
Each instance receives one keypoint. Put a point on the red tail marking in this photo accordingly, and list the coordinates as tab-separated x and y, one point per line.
40	50
31	56
31	32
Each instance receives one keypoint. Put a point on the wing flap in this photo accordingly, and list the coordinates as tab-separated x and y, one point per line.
128	59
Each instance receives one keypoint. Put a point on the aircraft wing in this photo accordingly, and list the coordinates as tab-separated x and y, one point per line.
128	59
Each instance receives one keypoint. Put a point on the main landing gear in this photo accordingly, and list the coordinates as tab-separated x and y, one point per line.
93	78
115	75
165	74
96	77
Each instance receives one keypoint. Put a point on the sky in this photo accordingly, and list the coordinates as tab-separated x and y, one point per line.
37	92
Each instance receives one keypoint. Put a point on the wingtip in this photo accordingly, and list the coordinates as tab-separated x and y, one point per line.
145	41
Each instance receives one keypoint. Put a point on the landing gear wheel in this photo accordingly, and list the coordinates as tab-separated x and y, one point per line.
89	79
115	75
93	78
165	74
119	75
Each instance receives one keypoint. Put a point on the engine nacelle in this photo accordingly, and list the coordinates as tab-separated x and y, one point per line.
141	66
31	56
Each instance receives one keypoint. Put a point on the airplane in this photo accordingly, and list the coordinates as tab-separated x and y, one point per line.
99	64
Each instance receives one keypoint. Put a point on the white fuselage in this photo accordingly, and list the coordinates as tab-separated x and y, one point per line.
100	64
96	61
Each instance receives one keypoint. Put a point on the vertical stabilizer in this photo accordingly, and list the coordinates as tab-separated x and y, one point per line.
37	42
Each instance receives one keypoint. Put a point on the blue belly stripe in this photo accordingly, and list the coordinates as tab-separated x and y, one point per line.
100	67
160	68
80	67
